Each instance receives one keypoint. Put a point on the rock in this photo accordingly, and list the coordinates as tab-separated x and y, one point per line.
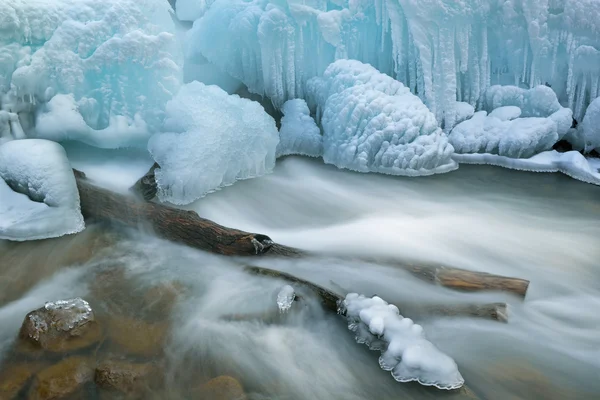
159	300
221	388
14	377
146	186
127	378
61	326
136	337
66	378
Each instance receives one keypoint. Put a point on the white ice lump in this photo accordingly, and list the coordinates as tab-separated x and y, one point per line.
211	139
591	126
404	350
521	123
299	134
372	123
38	192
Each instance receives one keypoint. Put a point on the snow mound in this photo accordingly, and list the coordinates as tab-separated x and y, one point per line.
372	123
116	58
211	139
590	126
299	134
518	138
506	113
38	192
404	349
571	163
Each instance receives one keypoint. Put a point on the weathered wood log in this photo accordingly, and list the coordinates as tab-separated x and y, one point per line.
188	228
331	300
146	185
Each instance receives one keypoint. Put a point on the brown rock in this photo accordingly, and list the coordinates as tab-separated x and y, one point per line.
128	378
14	377
137	337
221	388
160	299
60	326
61	380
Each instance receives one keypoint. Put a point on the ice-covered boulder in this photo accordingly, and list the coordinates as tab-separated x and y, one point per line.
211	139
372	123
299	134
517	138
118	59
404	349
38	192
590	126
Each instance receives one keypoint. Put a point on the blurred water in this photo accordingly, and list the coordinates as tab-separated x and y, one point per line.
542	227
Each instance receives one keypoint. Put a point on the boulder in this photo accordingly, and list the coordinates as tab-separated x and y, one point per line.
61	326
67	378
126	378
14	377
221	388
136	337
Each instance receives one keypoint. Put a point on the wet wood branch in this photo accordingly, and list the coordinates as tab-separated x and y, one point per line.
188	228
331	300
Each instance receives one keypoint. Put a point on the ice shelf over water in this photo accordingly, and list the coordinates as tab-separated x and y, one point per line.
211	139
38	193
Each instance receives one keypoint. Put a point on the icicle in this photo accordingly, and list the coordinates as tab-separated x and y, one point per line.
579	107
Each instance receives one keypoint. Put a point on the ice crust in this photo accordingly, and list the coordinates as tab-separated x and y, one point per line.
299	134
404	349
211	139
372	123
38	192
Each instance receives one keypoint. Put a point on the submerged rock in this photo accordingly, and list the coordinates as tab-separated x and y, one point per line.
14	377
126	378
221	388
60	326
137	337
67	378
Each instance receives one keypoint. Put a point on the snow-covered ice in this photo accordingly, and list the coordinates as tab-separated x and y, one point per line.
404	349
372	123
299	134
211	139
38	192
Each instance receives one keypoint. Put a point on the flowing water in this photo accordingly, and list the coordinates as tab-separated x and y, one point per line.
218	320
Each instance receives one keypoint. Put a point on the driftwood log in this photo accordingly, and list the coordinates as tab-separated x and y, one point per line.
188	228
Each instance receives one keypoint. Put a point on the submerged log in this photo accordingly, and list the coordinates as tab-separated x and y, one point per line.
189	228
331	300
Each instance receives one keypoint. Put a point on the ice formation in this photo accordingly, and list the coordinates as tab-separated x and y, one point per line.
571	163
517	138
521	123
372	123
443	50
299	134
590	127
211	139
38	193
285	298
117	59
404	349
